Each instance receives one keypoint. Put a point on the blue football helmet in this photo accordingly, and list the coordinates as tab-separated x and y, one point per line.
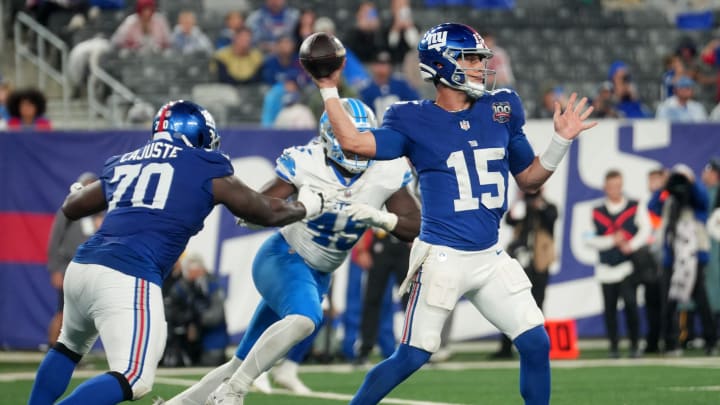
364	119
187	124
440	50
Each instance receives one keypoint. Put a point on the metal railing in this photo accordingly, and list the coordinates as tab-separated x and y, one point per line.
2	25
44	40
119	94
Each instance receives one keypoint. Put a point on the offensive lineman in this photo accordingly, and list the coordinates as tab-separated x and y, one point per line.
156	197
292	269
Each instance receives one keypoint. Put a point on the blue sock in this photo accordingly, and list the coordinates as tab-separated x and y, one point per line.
105	389
389	374
53	375
534	348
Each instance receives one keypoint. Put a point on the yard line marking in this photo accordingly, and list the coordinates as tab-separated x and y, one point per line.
700	388
682	362
314	394
344	397
705	362
180	382
10	377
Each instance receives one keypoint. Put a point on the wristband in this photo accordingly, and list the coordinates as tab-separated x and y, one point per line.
329	92
390	221
553	155
313	202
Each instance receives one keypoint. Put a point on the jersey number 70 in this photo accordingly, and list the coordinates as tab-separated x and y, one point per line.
138	176
466	201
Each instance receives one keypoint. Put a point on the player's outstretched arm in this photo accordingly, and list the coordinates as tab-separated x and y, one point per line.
351	140
259	209
568	126
84	201
402	218
278	188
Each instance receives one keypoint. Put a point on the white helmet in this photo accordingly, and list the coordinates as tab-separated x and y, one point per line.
364	119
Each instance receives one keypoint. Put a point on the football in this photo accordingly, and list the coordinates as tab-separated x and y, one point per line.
321	54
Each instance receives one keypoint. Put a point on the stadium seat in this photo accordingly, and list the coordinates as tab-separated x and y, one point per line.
217	98
222	7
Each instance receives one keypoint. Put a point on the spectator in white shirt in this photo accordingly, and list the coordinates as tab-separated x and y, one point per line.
681	107
187	38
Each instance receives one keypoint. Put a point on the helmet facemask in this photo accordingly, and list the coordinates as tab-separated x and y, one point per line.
459	79
214	140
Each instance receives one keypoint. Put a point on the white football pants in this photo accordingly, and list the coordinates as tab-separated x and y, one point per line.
128	314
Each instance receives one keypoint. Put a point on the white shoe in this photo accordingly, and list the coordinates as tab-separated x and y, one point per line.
224	395
262	384
285	374
158	401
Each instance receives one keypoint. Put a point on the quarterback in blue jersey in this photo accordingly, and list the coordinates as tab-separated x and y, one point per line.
464	145
156	198
292	269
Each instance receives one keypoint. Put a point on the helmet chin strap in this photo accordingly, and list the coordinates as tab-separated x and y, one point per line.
475	91
187	141
165	136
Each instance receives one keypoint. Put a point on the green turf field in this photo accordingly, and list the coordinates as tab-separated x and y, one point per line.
687	380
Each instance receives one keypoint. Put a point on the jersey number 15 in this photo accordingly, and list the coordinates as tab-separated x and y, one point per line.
139	177
467	202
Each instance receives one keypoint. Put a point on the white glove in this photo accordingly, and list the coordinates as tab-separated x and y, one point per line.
313	201
372	216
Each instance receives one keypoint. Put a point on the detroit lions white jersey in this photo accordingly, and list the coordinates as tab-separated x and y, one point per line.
324	241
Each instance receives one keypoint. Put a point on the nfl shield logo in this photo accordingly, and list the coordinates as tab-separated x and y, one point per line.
464	125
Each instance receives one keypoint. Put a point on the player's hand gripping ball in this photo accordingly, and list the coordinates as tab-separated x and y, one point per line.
321	54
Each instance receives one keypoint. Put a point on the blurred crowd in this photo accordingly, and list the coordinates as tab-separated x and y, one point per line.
259	47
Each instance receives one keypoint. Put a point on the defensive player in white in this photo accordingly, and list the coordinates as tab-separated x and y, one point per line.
292	269
156	198
464	145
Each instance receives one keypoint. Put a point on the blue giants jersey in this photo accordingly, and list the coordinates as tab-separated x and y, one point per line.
158	197
463	160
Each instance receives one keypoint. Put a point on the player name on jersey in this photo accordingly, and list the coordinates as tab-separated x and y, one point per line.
153	150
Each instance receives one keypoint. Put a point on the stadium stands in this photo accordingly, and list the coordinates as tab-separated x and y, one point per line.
550	42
